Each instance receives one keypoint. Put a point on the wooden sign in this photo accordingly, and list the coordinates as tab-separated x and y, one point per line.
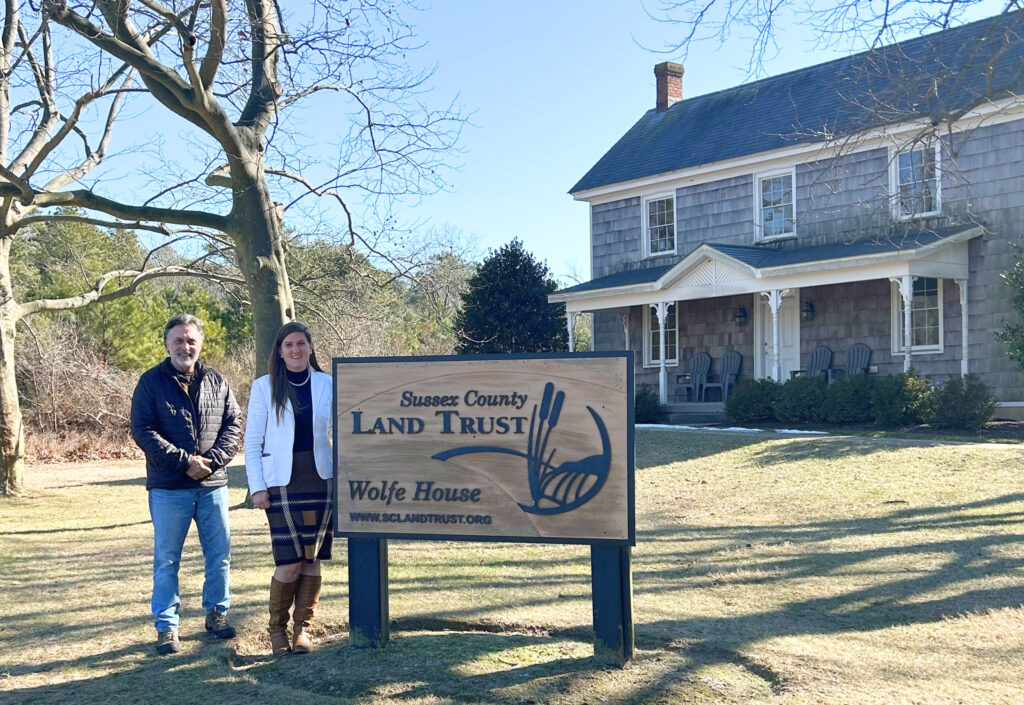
518	448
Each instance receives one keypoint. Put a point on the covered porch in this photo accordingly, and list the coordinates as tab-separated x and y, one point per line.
904	297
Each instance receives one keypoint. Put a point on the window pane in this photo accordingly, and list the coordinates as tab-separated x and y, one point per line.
925	316
916	174
777	205
670	335
661	230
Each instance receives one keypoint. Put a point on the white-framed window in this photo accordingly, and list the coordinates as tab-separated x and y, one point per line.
925	317
652	337
660	225
915	182
774	205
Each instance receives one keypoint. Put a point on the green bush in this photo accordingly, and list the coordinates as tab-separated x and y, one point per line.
801	400
898	400
647	406
751	400
848	400
962	402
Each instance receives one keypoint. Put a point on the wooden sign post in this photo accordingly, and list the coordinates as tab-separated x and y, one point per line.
487	448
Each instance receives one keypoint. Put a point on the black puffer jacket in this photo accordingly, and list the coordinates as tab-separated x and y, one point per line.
162	425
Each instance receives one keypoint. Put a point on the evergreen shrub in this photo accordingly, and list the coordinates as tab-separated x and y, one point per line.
848	400
801	400
899	400
962	402
751	400
647	406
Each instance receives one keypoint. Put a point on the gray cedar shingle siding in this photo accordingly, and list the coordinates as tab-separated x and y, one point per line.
719	211
615	229
842	198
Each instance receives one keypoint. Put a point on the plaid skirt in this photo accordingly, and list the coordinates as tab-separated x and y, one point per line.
300	515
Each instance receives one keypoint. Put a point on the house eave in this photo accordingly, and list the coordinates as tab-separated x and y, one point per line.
945	258
559	297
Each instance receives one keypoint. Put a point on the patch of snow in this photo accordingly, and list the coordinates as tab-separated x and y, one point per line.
731	429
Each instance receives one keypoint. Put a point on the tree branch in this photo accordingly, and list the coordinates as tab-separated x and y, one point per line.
70	124
64	218
165	85
265	90
24	189
82	198
11	22
49	118
215	48
97	295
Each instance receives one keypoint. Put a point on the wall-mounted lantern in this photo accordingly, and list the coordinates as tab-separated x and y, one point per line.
740	317
807	312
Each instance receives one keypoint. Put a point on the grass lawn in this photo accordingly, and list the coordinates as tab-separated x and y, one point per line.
822	570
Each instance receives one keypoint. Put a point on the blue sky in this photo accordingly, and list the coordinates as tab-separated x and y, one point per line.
552	84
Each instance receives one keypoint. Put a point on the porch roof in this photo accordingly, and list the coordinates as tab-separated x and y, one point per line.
712	269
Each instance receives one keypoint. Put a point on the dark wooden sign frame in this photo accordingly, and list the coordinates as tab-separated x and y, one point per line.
611	569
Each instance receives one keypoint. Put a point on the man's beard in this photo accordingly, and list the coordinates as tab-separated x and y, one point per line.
184	363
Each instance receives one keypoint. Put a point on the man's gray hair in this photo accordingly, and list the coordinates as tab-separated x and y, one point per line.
185	319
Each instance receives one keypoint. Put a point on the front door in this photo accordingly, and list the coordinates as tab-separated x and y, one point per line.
789	335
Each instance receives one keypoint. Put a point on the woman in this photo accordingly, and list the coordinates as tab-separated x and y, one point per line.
289	464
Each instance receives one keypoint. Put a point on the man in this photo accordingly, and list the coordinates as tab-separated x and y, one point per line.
186	421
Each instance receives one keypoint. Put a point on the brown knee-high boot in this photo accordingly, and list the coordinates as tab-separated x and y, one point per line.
281	596
307	595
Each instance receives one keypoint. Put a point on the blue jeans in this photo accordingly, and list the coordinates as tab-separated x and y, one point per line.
172	512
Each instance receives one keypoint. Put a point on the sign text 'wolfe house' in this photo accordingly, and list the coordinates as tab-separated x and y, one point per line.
525	448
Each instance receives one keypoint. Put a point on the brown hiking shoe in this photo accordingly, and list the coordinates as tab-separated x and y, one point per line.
167	642
217	624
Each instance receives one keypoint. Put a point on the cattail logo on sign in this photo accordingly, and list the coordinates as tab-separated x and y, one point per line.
554	488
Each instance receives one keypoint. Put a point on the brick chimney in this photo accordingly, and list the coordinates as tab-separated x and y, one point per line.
669	79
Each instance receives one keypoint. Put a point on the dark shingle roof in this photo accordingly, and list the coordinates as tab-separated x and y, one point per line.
766	258
627	278
763	258
978	61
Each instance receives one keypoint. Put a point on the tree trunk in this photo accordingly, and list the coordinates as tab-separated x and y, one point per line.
12	431
257	233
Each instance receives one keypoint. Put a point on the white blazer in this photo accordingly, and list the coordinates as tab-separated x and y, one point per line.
268	442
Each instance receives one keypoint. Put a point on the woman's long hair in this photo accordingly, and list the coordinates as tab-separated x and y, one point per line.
280	390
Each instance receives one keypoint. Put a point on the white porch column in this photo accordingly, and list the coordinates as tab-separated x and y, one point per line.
624	317
661	311
775	303
570	321
906	284
964	331
593	338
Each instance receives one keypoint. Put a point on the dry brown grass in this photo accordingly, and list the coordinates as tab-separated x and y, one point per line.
796	571
79	447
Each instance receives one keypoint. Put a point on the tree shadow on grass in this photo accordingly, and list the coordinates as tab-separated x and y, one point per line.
72	529
979	545
665	447
464	664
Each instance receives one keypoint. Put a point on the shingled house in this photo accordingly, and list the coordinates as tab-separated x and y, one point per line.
872	199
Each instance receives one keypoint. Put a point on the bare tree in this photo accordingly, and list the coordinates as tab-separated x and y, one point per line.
43	114
235	74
